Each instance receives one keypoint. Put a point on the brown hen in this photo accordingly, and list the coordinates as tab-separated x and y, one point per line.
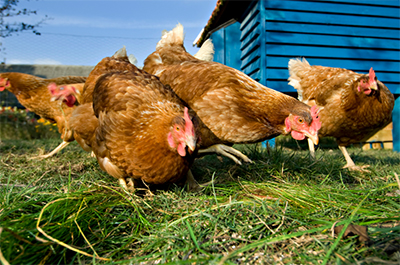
353	106
136	127
32	92
232	107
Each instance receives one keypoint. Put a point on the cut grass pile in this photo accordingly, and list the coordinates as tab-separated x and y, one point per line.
279	210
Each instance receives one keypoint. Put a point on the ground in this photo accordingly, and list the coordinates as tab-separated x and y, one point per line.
279	210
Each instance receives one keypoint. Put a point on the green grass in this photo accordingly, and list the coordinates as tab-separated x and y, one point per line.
21	124
278	210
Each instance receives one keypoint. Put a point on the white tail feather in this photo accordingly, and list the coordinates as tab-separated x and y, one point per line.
295	66
132	59
298	64
206	52
173	37
120	53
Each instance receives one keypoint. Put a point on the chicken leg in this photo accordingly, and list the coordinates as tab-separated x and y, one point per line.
227	151
193	185
350	164
64	143
56	150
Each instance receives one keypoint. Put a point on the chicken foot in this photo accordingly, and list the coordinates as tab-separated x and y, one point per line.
350	163
227	151
56	150
127	184
193	185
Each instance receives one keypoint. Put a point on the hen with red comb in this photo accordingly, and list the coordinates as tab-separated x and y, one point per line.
353	106
137	128
32	92
232	107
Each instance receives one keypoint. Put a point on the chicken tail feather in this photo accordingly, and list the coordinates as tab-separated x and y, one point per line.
120	53
296	66
206	52
173	37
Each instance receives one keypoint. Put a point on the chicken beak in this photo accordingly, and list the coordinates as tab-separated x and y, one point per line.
374	86
314	137
56	97
191	142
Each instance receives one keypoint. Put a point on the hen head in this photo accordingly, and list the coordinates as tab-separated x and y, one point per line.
304	124
182	134
4	83
368	83
66	93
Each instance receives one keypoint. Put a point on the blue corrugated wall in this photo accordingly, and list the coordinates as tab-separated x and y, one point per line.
226	45
351	34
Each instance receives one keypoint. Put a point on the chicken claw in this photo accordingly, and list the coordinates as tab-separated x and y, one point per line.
193	185
127	184
358	168
350	164
227	151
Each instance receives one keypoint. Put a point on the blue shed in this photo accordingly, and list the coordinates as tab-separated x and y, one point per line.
259	38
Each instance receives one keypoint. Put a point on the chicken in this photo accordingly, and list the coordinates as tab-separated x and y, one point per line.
32	92
232	107
69	94
353	106
137	128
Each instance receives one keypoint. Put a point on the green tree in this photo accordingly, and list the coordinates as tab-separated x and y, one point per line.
9	9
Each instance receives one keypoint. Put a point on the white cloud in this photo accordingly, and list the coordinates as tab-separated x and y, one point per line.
18	61
36	61
108	23
46	61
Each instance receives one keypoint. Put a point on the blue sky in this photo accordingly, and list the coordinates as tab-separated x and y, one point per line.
84	31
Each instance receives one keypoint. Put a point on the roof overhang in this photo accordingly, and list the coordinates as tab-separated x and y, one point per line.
225	13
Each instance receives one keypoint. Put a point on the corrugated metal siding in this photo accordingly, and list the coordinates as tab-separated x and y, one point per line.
352	34
251	40
226	45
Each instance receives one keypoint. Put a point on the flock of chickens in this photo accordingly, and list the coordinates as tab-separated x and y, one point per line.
147	126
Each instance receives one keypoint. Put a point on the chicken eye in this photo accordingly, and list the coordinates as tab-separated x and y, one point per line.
177	129
301	120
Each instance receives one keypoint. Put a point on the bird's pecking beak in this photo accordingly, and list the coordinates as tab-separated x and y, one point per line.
191	142
374	86
56	97
314	137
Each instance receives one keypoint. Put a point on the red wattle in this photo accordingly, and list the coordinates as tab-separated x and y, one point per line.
298	135
181	149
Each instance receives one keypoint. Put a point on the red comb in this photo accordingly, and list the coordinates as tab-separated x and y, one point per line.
371	75
188	121
316	124
52	88
314	111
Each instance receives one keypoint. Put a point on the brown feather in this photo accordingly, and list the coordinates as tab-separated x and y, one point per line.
348	115
130	120
232	107
31	91
135	117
